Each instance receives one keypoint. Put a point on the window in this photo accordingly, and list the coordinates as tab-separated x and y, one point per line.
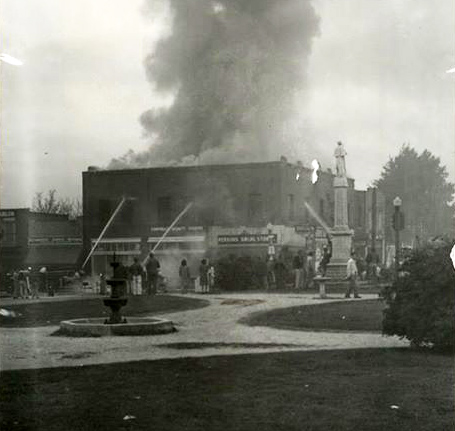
164	210
255	207
127	212
359	216
306	217
291	207
321	207
105	210
8	230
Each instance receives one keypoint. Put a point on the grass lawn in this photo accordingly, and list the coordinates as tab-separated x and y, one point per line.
325	390
364	315
51	313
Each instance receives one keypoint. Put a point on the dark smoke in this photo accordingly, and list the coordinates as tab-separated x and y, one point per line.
235	67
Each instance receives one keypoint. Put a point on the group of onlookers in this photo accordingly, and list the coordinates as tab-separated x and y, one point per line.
28	283
145	278
205	278
284	271
141	278
304	267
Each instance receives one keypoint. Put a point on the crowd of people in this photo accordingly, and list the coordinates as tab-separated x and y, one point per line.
28	283
285	271
146	278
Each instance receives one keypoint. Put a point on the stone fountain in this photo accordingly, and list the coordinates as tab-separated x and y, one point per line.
116	324
117	299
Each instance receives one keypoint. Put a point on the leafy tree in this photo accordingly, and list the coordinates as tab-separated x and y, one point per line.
51	204
421	182
421	302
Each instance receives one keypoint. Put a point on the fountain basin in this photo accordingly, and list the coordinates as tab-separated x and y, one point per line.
96	327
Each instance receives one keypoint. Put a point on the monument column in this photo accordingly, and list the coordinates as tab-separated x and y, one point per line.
341	234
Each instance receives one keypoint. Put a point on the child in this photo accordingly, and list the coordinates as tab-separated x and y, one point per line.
203	276
185	276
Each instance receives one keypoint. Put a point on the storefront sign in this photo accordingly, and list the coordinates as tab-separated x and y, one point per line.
246	238
55	241
177	230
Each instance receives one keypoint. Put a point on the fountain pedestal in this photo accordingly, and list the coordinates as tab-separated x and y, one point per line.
116	300
320	281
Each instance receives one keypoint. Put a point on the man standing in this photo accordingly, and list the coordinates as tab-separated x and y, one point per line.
152	268
270	272
280	273
309	271
136	272
297	266
351	273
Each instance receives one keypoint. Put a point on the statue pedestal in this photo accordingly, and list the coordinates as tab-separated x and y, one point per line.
341	251
341	235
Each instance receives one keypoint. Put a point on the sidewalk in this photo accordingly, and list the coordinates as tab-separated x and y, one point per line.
213	330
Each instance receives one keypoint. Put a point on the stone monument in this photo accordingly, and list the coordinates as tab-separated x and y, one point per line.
341	234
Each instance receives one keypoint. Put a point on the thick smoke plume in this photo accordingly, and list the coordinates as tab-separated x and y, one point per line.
234	68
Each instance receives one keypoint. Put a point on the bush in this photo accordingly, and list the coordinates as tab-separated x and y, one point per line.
239	273
234	273
421	301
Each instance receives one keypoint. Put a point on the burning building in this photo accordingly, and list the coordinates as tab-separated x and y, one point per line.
240	209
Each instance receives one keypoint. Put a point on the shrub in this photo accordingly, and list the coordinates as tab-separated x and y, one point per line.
234	273
421	301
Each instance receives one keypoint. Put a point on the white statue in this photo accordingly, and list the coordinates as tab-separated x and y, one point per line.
340	153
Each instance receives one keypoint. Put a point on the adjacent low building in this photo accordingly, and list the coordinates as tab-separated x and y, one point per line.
32	239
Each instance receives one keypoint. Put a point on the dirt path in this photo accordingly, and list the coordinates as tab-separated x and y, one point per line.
213	330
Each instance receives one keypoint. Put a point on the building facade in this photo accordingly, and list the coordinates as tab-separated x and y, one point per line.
251	208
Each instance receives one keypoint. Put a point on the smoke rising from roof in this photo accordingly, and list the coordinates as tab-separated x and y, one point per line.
234	68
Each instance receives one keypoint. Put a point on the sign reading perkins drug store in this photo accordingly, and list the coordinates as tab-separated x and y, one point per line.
246	238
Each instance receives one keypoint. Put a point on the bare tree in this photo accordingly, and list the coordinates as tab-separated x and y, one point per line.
51	204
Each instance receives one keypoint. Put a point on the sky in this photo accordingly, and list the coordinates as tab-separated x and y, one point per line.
375	78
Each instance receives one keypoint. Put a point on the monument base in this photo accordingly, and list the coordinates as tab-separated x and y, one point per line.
341	251
337	270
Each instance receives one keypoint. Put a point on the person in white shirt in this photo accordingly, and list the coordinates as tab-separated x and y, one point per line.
352	274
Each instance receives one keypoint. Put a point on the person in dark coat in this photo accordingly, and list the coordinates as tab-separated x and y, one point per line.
185	276
280	273
326	256
152	268
17	293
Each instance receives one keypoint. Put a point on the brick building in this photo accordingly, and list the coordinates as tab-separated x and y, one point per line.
31	239
237	208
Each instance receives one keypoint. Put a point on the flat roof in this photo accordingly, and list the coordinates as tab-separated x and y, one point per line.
199	167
